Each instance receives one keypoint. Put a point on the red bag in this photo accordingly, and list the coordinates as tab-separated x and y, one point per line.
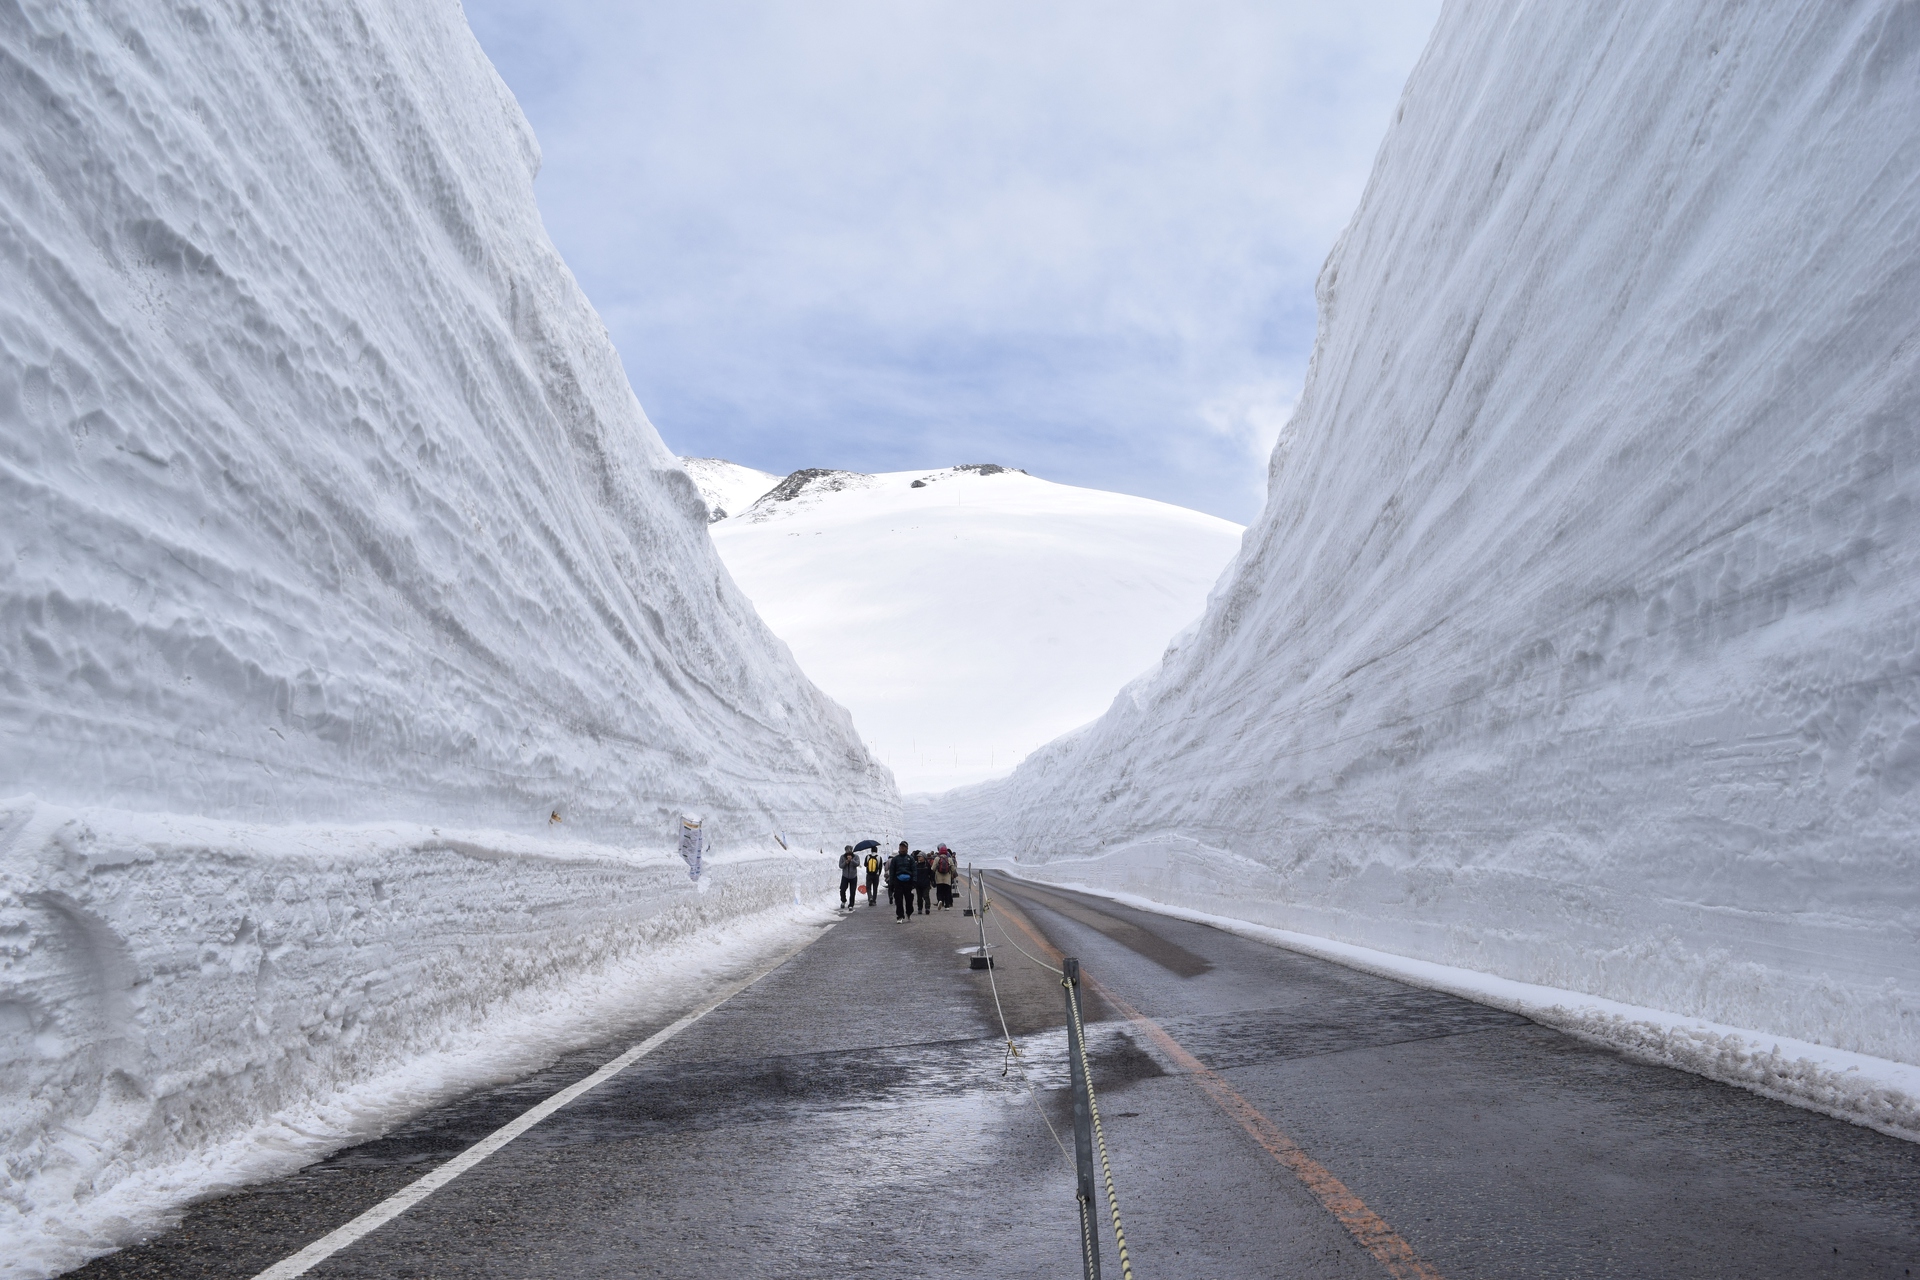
861	889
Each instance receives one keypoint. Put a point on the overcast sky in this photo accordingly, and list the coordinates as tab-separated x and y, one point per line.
1078	238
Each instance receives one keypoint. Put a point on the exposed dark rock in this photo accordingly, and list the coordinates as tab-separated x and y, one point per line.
810	478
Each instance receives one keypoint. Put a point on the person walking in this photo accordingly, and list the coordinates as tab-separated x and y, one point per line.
900	876
943	876
873	876
923	881
849	878
893	886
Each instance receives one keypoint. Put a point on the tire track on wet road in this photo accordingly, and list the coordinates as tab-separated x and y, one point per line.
1368	1228
1494	1146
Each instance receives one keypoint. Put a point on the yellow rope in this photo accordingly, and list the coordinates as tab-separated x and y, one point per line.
1093	1108
1086	1235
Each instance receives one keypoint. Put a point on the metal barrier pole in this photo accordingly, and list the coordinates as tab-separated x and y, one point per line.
983	959
1082	1123
980	912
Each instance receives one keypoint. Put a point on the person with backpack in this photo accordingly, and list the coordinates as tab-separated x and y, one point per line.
900	874
944	873
849	877
873	876
923	881
888	876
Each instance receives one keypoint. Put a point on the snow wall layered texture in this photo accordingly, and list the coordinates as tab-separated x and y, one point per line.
327	495
192	1004
328	504
1579	639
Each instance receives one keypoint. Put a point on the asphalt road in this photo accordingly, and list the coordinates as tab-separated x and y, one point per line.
1268	1114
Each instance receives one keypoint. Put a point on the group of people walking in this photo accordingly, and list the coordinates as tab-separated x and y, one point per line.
913	878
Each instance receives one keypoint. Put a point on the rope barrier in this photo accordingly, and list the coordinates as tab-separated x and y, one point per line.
1013	1051
1093	1107
1086	1209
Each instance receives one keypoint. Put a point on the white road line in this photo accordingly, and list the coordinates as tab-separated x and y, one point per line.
405	1198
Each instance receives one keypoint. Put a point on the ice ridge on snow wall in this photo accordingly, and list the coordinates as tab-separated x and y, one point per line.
360	641
1579	639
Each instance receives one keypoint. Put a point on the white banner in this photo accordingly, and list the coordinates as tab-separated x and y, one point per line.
690	843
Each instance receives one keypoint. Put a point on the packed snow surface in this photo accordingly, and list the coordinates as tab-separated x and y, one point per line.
969	614
328	508
1579	640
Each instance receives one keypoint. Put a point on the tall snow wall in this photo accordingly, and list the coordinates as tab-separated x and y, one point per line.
1579	639
333	529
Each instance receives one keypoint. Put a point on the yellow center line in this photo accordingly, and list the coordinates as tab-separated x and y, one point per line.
1372	1231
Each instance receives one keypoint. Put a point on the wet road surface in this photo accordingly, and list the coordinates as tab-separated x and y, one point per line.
855	1114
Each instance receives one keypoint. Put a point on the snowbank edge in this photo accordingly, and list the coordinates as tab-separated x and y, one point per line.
190	1005
1874	1093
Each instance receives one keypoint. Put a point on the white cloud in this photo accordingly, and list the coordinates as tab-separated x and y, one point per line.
1251	416
891	234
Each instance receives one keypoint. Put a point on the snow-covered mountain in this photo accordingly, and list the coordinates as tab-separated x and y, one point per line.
727	487
969	614
360	642
1579	639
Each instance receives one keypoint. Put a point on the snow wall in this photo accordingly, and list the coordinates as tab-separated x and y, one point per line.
330	519
1579	639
